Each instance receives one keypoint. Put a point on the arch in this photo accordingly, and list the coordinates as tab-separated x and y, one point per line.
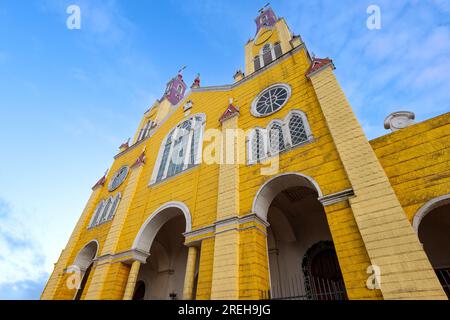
270	189
86	255
428	207
156	220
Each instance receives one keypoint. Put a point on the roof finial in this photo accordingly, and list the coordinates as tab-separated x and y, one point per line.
181	70
263	8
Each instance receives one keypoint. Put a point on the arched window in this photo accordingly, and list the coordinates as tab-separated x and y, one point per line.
298	129
113	208
280	135
105	210
145	131
181	149
276	138
257	145
267	54
97	214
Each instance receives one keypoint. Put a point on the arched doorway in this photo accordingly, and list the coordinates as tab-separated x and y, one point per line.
162	237
83	263
139	291
432	223
301	251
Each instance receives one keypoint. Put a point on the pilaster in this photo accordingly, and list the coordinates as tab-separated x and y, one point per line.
389	239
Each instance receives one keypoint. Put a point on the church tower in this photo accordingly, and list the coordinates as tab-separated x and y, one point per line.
272	39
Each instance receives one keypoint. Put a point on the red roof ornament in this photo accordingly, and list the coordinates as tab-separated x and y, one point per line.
125	145
318	64
101	182
140	160
230	112
196	82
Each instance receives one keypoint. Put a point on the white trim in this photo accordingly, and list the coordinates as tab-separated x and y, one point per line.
156	220
82	262
255	101
261	205
427	207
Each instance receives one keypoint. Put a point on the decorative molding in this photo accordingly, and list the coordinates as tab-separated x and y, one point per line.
251	217
336	197
252	75
229	113
129	255
101	182
140	161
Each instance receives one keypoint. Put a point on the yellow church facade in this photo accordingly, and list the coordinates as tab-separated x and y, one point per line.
266	189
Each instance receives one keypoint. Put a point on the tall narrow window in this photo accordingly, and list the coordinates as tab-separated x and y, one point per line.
97	214
181	149
277	50
257	63
267	54
106	210
113	208
257	148
280	135
276	138
297	129
145	131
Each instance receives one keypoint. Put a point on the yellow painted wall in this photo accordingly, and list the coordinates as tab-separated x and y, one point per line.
417	161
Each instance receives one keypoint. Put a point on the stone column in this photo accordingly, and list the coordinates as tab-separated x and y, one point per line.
131	283
225	278
189	278
389	239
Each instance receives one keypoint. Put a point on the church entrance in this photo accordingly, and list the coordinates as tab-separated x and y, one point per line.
162	276
302	259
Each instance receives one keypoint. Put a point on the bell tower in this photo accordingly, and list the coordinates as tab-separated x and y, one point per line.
175	89
273	38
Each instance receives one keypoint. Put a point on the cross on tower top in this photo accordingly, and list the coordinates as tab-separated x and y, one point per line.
263	8
181	70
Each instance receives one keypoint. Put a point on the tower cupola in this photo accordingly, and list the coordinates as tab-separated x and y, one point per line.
175	89
266	18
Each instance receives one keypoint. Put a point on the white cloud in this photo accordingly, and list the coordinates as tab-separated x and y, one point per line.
21	254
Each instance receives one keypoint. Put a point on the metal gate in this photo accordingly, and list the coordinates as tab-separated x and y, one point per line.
297	287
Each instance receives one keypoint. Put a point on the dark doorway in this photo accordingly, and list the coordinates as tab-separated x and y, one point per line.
83	283
139	292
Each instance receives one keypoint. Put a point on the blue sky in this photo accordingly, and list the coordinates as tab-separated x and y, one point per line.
69	98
